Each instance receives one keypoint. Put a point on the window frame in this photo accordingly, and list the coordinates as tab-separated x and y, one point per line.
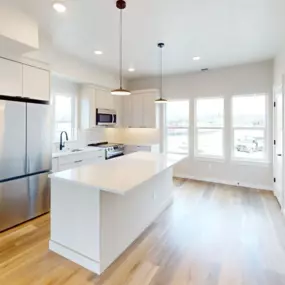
181	128
73	116
196	130
251	160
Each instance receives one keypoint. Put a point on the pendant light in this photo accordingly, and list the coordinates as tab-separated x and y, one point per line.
160	100
121	5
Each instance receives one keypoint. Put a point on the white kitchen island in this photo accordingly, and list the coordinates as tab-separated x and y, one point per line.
98	210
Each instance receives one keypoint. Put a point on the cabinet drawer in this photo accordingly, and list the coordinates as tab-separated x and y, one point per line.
93	154
71	158
135	148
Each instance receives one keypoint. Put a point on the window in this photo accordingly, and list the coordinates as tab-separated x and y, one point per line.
64	116
249	127
177	127
209	126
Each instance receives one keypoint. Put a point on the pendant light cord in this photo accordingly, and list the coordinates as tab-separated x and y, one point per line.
121	48
161	70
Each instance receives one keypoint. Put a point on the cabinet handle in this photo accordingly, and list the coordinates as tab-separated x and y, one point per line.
77	161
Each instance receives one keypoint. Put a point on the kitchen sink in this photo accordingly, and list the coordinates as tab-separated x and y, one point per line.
76	150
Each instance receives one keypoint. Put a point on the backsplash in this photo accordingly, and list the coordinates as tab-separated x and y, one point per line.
116	135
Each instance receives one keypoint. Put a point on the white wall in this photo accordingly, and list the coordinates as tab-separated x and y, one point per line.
244	79
18	32
279	68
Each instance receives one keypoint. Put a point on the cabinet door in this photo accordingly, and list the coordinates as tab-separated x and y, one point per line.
127	112
118	106
137	111
87	107
55	164
149	111
11	76
104	99
36	83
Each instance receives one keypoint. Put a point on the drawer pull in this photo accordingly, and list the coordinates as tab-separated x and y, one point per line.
77	161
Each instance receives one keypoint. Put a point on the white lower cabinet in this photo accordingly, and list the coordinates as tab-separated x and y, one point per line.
148	148
77	159
55	164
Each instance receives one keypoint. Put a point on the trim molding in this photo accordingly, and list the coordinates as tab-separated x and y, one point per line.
232	183
74	256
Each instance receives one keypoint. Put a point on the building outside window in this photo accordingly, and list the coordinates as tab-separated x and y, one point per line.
64	116
249	127
209	127
177	127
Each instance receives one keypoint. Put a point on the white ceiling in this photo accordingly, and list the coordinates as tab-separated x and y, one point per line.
221	32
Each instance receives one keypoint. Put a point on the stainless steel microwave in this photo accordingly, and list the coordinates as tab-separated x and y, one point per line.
106	117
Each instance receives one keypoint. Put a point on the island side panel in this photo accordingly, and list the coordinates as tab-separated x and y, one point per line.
124	218
75	223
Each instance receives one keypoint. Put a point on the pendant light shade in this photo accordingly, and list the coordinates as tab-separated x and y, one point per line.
161	100
121	5
121	92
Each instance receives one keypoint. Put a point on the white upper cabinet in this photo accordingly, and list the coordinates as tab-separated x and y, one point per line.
11	78
87	107
36	83
92	98
104	99
140	109
137	110
149	110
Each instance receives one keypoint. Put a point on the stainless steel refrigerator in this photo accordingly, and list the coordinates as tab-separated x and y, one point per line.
25	159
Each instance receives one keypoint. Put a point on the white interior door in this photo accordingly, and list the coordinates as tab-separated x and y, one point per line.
278	147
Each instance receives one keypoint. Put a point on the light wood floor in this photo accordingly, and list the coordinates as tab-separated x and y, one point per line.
212	234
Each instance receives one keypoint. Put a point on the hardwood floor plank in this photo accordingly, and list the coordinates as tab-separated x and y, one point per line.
212	234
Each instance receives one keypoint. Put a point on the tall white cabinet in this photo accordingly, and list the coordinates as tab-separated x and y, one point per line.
140	110
20	80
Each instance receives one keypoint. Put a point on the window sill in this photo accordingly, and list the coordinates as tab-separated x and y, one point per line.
219	159
264	163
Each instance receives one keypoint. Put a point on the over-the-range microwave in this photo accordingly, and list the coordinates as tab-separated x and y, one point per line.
106	117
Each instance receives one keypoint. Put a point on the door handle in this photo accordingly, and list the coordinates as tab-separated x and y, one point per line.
279	154
77	161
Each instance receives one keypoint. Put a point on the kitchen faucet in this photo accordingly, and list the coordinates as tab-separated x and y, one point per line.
61	144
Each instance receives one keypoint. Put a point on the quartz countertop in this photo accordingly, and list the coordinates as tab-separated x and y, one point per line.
121	174
69	152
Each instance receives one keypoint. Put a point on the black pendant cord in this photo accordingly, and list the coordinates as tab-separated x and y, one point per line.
121	48
161	70
161	46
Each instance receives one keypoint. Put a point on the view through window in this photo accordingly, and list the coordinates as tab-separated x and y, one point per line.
249	126
209	126
177	126
63	119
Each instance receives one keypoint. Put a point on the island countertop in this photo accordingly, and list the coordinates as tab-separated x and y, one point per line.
121	174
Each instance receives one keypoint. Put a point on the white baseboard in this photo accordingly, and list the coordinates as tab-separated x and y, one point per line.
76	257
233	183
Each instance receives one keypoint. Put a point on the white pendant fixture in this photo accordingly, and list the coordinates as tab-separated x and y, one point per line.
121	5
161	100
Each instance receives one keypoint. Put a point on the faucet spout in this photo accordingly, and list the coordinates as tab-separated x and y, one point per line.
61	143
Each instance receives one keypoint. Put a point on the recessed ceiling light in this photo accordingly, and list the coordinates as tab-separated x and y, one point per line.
131	69
59	7
98	52
196	58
